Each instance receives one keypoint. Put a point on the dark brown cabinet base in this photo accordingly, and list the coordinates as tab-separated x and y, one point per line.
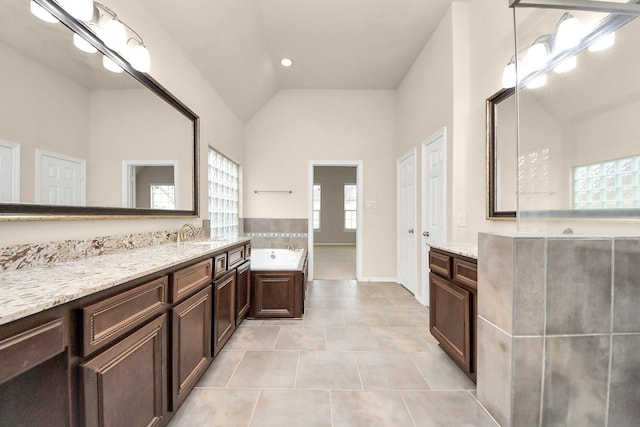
276	294
453	307
224	313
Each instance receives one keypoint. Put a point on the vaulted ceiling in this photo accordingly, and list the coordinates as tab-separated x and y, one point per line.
335	44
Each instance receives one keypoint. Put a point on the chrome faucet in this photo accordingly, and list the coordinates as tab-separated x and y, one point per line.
186	232
290	246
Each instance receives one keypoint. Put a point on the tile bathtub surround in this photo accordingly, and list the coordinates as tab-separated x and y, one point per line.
39	254
566	363
276	232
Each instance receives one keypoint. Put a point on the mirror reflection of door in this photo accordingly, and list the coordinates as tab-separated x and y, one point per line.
150	185
60	179
9	172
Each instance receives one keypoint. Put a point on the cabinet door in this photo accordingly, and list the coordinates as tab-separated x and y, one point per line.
191	343
125	385
243	292
275	295
450	319
224	313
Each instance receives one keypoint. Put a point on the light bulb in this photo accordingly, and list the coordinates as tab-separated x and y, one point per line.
537	82
113	33
79	9
42	13
566	65
604	42
536	56
110	65
567	35
509	76
138	56
286	62
83	45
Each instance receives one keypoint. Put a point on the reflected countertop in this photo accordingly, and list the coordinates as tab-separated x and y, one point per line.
464	249
28	291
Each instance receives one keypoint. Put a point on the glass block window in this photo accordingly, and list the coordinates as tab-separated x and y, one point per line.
163	196
223	196
607	185
350	206
317	202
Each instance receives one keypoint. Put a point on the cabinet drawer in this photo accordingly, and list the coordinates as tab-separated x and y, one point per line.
219	265
465	272
236	257
28	349
440	263
107	320
188	280
247	251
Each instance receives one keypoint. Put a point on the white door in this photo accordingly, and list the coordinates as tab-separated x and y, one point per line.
434	199
60	179
9	172
407	249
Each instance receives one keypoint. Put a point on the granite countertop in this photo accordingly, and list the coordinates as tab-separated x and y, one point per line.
464	249
32	290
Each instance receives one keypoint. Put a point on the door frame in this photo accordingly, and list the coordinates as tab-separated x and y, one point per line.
83	171
128	186
407	155
15	168
438	135
358	164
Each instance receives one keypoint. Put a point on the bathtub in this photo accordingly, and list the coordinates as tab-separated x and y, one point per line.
278	282
277	259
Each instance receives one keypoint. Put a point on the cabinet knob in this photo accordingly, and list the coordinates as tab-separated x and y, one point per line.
425	234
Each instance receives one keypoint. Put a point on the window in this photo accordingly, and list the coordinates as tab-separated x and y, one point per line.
350	207
317	197
163	196
223	196
607	185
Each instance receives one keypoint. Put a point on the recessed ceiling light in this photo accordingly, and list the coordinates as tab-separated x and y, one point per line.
286	62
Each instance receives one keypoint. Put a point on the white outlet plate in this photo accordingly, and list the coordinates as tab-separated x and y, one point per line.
461	220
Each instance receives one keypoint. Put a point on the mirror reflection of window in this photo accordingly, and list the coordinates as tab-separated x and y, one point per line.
350	206
162	196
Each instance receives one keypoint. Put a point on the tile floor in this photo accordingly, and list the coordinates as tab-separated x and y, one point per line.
362	356
334	262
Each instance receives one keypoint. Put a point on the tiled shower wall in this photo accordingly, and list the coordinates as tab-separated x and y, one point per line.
559	330
276	232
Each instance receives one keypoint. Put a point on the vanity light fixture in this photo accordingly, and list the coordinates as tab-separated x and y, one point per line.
79	9
538	54
538	82
568	33
286	62
83	45
110	65
604	42
42	13
566	65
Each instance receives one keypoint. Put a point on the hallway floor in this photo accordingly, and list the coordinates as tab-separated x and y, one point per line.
334	262
362	356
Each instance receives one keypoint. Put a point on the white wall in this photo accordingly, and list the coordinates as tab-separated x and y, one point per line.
220	128
297	126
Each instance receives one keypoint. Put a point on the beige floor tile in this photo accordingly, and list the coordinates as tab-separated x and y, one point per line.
397	317
253	338
389	371
223	366
266	369
328	370
368	409
350	339
400	338
216	407
301	338
279	408
364	317
324	317
440	372
446	408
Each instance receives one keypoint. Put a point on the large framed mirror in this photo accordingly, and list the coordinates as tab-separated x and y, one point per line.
79	140
502	174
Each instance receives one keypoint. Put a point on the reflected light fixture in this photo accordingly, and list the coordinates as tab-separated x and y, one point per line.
286	62
79	9
604	42
82	44
566	65
110	65
538	54
42	13
537	82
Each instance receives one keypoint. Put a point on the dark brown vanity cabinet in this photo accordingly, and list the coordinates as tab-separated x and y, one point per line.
126	384
224	312
243	291
453	306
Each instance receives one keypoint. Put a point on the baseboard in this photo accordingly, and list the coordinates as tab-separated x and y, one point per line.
422	300
378	279
334	244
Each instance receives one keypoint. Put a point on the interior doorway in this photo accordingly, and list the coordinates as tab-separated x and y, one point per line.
335	220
